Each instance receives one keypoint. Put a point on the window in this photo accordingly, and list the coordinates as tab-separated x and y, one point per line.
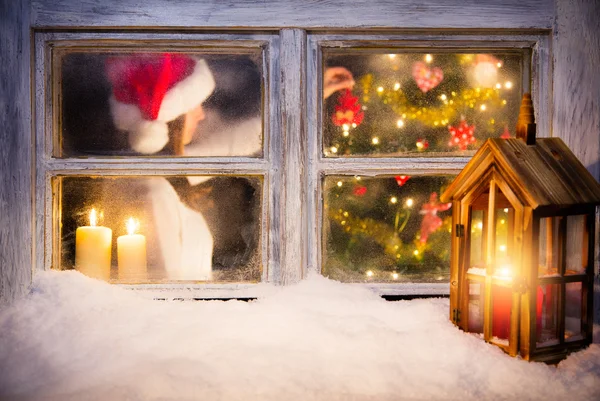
366	175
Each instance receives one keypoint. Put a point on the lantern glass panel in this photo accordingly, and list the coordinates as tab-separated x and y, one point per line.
547	314
477	260
209	231
476	297
548	246
573	311
503	241
577	245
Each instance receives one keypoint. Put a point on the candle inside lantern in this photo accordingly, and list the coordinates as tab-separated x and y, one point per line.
501	304
131	253
93	249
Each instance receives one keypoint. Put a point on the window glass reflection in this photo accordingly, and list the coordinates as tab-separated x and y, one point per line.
195	228
159	104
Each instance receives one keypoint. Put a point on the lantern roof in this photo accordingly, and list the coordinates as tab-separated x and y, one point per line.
545	173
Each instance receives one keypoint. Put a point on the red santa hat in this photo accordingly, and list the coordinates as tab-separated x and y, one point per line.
149	90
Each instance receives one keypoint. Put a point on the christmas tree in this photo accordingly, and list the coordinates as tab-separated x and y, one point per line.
393	228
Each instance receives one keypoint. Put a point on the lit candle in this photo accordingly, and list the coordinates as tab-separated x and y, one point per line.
131	253
502	304
93	249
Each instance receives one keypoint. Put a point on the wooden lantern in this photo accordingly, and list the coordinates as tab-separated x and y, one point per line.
522	245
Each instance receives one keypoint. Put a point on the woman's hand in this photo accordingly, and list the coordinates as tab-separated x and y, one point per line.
335	79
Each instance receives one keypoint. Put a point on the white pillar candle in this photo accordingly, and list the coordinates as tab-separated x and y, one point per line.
131	254
93	246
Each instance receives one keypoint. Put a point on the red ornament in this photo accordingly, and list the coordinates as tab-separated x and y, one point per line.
422	144
431	222
462	136
401	179
360	191
347	110
506	133
425	77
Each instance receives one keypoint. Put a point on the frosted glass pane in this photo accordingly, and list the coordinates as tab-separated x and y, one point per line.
577	245
386	229
407	103
547	314
194	228
573	311
159	104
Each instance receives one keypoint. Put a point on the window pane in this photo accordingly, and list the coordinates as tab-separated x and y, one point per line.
159	104
577	245
407	103
196	228
573	303
547	314
386	229
504	227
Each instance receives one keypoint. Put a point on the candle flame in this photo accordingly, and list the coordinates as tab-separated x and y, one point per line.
505	271
93	218
132	226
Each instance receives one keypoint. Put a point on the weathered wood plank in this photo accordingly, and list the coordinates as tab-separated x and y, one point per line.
15	151
293	132
576	80
291	13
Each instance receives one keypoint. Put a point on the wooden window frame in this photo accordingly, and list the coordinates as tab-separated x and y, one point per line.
292	165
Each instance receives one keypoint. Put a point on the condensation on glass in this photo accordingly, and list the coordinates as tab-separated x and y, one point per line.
386	229
155	229
413	103
108	100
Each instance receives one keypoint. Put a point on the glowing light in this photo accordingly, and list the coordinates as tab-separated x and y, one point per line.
428	58
132	226
380	89
502	221
394	200
353	125
409	202
505	271
443	97
483	107
375	140
502	248
345	214
392	56
339	183
334	149
357	178
395	275
343	222
93	218
369	273
400	123
416	252
479	225
508	85
397	86
346	134
499	64
345	127
506	210
498	85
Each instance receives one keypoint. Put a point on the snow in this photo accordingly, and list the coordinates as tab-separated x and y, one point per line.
74	338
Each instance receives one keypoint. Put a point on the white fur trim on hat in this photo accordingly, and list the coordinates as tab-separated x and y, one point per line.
188	93
151	136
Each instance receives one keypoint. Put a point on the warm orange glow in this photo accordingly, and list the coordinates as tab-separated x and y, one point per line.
505	271
93	218
132	226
